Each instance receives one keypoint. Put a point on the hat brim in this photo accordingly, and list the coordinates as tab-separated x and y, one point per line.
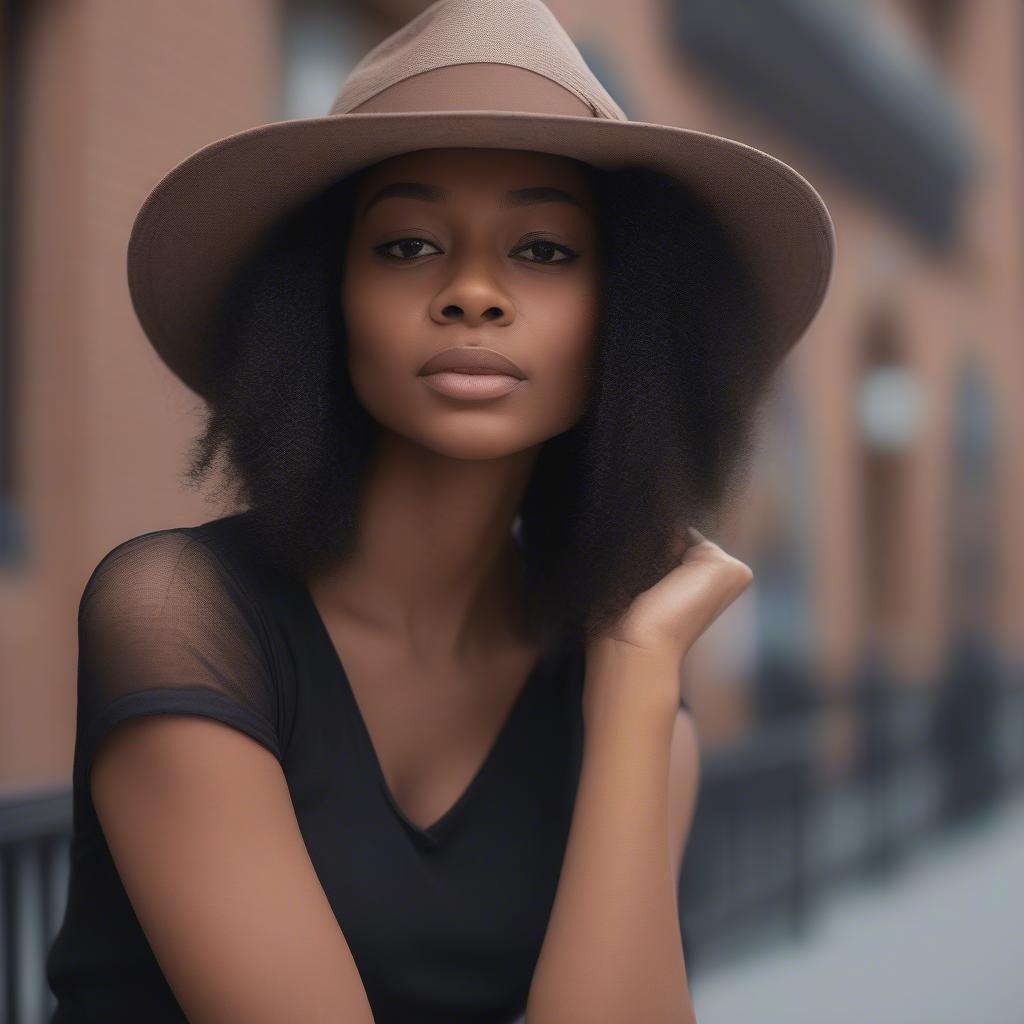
204	217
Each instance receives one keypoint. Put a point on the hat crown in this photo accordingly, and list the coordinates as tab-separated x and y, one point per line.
518	33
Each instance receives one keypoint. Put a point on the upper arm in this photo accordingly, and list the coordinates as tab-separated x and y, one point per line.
180	746
200	824
684	782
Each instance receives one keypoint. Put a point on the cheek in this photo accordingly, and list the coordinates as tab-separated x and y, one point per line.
564	390
379	331
564	361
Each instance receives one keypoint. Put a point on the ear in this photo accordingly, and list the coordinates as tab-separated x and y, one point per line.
683	784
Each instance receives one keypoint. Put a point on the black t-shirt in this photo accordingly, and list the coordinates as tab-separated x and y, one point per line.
444	923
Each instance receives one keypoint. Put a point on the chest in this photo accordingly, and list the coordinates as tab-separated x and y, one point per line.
432	727
435	805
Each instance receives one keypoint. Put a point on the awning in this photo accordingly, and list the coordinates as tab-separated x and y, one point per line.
828	73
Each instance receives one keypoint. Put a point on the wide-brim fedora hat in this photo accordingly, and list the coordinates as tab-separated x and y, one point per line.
463	73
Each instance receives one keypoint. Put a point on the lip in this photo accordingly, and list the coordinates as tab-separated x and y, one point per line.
473	360
472	386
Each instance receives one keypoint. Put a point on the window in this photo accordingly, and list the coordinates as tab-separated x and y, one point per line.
321	43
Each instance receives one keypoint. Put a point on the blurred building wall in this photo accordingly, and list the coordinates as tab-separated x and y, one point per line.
116	94
113	96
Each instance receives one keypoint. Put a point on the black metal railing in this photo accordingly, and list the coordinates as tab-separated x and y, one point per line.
771	831
35	838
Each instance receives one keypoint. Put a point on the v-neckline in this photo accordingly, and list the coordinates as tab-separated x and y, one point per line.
433	833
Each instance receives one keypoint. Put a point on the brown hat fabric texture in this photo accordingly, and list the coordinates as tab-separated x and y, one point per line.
462	73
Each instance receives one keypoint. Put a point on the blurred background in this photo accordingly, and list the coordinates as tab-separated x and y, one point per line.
856	849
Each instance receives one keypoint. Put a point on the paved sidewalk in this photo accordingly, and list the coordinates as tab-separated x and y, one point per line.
941	941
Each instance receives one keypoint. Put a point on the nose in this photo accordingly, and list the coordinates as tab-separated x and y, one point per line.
472	298
453	312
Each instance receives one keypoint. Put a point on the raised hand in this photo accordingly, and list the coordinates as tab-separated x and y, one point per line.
662	622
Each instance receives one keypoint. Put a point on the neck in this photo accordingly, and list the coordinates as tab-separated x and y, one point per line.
435	563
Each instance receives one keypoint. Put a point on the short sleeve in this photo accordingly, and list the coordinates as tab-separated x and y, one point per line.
165	626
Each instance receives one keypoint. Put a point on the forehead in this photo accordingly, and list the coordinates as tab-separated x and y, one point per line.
480	172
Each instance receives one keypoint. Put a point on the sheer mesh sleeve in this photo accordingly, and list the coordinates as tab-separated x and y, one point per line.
165	627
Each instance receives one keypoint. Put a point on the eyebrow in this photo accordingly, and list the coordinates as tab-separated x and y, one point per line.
436	194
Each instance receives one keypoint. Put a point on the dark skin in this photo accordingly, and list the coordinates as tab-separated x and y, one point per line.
425	613
448	474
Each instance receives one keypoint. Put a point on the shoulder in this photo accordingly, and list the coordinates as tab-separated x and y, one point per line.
136	560
164	614
155	546
154	568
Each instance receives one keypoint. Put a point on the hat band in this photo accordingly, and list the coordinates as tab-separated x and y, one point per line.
477	86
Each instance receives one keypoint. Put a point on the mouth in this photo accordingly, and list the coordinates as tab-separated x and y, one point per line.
473	385
472	360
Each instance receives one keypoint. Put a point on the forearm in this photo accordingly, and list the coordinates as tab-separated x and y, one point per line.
613	948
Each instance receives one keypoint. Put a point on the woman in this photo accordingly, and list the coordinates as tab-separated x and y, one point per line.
401	739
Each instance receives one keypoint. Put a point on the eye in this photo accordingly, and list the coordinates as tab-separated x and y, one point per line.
547	248
544	248
382	250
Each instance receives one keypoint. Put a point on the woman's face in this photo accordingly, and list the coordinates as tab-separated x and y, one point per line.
479	248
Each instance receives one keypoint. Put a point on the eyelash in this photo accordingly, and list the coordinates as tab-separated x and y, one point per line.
571	254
